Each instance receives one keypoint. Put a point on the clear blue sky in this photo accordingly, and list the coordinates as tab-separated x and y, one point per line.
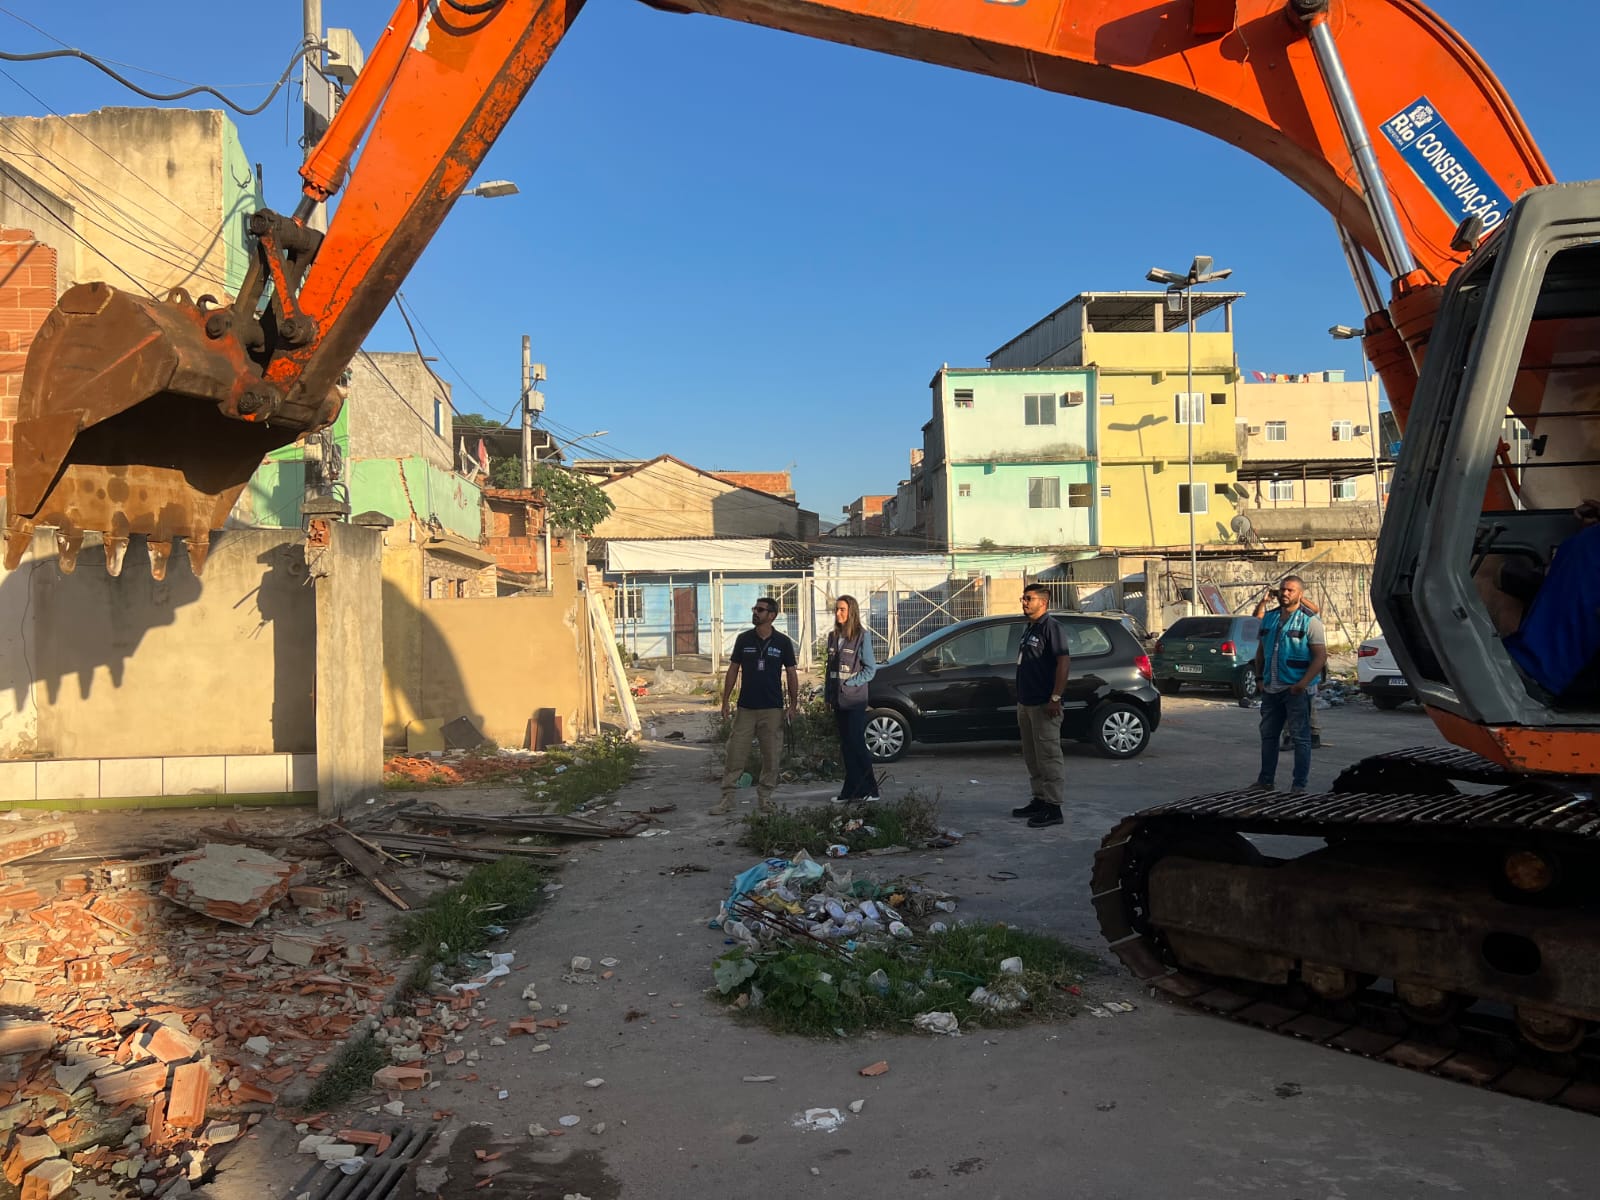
750	249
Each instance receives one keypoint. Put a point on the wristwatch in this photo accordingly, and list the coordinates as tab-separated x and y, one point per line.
1055	699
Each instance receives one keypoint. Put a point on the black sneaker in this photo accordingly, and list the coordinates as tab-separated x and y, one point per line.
1032	808
1050	816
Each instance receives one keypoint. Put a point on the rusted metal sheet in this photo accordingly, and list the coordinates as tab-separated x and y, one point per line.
126	425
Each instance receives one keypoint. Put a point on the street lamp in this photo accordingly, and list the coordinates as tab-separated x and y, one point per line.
1345	333
493	188
1199	272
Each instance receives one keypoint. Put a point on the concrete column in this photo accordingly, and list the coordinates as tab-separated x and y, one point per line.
349	582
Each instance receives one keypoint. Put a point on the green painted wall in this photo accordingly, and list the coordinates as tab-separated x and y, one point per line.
241	196
996	506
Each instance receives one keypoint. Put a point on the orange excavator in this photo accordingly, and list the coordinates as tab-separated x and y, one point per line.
1432	897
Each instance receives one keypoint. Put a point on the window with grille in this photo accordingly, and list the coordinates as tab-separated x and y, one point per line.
788	597
1343	431
1079	495
1344	489
1189	407
1280	489
628	604
1044	491
963	489
1195	499
1039	409
963	397
1277	431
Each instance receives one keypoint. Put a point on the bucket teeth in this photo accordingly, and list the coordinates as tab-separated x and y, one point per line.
160	553
67	547
199	548
19	534
116	550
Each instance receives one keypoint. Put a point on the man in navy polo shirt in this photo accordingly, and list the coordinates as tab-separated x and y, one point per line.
1042	671
760	655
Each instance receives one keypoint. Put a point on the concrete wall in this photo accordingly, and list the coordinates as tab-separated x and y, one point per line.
29	207
415	489
494	659
1308	412
1140	505
159	192
399	409
994	427
667	499
349	667
103	667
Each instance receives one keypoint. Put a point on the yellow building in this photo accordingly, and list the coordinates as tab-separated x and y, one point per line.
1144	409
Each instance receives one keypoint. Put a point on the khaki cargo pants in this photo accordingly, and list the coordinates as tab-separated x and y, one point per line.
765	725
1041	750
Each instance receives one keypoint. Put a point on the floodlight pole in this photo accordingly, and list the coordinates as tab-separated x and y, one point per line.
1194	553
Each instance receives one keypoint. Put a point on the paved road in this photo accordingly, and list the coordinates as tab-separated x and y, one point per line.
1156	1103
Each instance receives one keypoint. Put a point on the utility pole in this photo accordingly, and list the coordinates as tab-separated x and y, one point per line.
316	95
527	412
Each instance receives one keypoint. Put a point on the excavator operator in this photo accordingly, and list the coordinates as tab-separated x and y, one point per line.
1557	645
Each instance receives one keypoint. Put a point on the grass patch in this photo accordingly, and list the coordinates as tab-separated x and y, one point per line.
349	1075
566	780
908	821
800	991
455	922
810	745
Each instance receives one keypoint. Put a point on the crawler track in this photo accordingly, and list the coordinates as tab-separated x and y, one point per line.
1431	818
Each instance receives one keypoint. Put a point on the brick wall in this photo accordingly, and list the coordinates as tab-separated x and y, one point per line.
27	294
514	528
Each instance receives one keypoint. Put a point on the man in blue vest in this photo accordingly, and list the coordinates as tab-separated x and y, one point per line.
1289	657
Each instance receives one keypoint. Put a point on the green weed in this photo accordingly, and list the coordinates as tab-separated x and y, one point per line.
801	991
349	1075
455	922
592	768
908	821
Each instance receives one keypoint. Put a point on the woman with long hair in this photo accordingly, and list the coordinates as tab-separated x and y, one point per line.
850	669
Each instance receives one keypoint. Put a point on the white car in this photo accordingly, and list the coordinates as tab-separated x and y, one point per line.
1379	676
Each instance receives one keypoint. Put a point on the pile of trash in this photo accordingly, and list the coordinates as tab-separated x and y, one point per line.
783	899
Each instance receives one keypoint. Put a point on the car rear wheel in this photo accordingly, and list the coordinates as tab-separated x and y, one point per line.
1245	684
888	734
1388	703
1119	729
1170	687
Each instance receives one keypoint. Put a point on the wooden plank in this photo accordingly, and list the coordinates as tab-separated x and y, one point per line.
600	621
370	866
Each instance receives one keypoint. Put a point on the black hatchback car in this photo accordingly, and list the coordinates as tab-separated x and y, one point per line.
960	685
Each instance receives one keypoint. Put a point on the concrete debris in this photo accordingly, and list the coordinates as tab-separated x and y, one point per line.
24	843
236	884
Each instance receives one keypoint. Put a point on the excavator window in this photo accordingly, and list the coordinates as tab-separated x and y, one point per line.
1545	551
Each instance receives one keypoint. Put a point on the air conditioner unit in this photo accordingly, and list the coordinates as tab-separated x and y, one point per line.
1360	431
1252	430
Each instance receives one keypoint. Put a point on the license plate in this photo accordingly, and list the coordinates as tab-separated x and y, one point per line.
1398	681
1186	669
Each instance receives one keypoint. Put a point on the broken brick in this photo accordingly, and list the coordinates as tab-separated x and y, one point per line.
20	1037
235	884
186	1102
47	1180
35	840
401	1079
366	1137
86	970
133	1084
17	991
171	1045
249	1093
24	1152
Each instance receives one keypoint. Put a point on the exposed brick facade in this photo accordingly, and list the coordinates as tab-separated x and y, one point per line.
27	294
514	528
774	483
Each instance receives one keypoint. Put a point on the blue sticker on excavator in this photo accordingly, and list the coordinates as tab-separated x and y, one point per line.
1445	165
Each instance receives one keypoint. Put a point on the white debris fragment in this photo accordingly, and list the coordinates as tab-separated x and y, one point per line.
938	1022
569	1121
1011	966
857	1105
593	1083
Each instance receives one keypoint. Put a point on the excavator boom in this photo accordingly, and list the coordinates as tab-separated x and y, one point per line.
148	417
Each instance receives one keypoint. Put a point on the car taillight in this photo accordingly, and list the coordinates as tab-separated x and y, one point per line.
1143	663
1367	652
1159	646
1226	647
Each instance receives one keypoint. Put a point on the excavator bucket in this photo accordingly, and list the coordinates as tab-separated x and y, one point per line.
124	427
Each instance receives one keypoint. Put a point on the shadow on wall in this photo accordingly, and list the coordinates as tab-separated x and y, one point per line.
420	667
128	664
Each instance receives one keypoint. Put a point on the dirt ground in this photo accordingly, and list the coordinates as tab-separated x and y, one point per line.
1156	1102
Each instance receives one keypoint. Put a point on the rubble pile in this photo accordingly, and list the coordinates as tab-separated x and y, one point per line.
138	1039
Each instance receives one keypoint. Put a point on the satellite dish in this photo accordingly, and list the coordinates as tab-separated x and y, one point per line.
1240	525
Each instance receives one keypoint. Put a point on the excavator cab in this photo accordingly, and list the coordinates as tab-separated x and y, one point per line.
1511	386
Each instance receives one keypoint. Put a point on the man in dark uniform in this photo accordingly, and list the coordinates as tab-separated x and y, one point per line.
760	655
1042	670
